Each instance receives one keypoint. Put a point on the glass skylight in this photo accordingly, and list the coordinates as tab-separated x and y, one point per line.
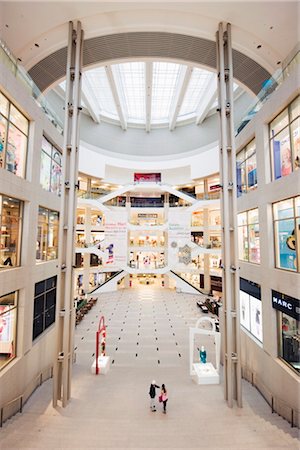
118	92
196	89
96	87
130	79
165	79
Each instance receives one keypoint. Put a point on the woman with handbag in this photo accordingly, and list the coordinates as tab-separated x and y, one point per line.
164	397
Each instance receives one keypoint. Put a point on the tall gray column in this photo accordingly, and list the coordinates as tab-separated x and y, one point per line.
230	321
65	308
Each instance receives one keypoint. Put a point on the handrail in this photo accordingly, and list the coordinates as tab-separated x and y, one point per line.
18	71
187	282
269	87
106	281
273	400
22	398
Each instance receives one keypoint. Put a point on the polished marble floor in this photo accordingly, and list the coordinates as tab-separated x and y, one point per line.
147	338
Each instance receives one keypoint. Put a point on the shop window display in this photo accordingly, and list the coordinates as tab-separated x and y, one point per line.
248	236
51	170
290	340
286	216
8	321
13	138
246	173
47	237
285	141
250	308
44	306
10	231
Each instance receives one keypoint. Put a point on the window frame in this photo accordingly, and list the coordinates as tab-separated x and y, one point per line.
9	123
296	219
44	310
248	225
288	127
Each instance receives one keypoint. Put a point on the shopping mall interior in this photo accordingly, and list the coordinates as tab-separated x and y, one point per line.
149	224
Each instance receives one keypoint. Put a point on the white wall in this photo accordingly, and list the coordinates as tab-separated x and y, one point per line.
31	357
273	373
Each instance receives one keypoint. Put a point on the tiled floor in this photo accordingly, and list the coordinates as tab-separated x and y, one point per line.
147	338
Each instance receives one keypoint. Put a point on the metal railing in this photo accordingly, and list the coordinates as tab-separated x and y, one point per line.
16	405
269	87
11	62
277	405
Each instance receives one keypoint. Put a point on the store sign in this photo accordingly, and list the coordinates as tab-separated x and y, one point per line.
147	216
286	304
215	187
147	177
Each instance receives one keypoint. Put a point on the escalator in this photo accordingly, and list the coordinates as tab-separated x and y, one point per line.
114	278
182	281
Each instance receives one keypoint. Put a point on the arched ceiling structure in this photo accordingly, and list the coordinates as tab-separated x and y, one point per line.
122	46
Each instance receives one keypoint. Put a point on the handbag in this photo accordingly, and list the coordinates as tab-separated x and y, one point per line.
160	398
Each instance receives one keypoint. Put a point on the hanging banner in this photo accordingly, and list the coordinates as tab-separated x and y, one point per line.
115	247
179	248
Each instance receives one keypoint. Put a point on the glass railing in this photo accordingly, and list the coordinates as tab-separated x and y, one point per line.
269	87
88	195
8	60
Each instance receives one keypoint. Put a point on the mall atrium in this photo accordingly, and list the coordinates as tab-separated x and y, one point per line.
149	180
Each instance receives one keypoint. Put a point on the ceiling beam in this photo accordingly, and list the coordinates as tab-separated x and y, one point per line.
116	97
87	93
149	84
210	95
183	82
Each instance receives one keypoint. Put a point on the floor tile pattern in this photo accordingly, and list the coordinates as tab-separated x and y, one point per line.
147	338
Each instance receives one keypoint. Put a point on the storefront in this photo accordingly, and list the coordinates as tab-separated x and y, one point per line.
288	319
250	308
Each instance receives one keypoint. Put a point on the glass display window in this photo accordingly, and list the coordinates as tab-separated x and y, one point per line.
215	217
289	340
10	231
17	118
8	328
197	219
3	136
251	308
246	170
213	187
47	236
248	236
15	150
286	216
51	168
13	138
4	105
285	141
44	306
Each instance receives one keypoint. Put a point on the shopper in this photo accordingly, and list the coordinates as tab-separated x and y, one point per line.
152	393
164	397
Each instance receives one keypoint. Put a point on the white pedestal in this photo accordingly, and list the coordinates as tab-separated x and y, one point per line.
205	374
103	365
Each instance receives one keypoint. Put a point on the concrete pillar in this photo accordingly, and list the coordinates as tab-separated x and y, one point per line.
231	328
206	242
65	317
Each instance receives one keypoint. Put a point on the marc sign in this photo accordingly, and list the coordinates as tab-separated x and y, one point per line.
286	304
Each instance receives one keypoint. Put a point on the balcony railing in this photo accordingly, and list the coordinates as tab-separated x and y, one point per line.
8	60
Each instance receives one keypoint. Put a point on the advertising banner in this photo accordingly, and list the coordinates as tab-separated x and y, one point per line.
115	247
179	248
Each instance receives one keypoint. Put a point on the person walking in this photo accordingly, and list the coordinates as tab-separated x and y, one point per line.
152	393
164	397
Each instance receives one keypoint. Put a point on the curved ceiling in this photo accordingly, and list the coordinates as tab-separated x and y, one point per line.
192	49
